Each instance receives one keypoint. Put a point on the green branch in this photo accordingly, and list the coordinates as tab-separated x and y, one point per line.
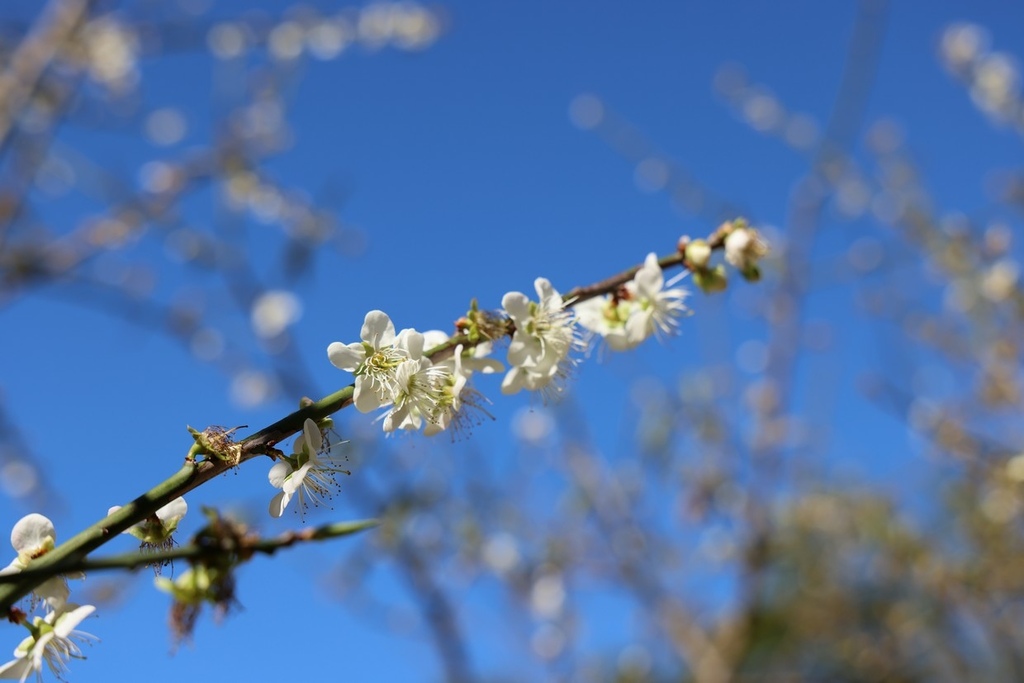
193	552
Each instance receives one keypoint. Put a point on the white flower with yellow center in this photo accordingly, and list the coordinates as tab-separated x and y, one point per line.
606	317
644	306
658	305
545	334
417	393
53	640
375	359
453	395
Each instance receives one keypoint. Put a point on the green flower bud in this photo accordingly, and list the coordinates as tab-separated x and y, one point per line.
711	280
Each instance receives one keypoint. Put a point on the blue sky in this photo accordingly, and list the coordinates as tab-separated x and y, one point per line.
461	169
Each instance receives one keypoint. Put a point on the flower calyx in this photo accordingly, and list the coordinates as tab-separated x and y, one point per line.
215	443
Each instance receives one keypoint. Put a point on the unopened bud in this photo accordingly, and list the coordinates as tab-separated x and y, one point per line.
743	248
711	280
698	253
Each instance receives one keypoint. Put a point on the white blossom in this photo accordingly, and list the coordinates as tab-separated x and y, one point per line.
657	308
644	306
449	400
53	640
32	537
743	248
307	473
417	394
545	334
156	530
453	394
375	360
606	317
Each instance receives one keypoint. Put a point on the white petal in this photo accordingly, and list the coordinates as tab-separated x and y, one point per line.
639	327
292	483
516	305
54	591
31	532
548	295
67	622
513	381
619	339
479	362
649	278
312	436
378	330
590	313
432	338
40	649
279	503
346	357
412	342
17	669
278	473
366	399
524	349
174	510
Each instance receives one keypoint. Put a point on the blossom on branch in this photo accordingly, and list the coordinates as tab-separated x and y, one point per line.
659	304
545	334
156	530
32	537
644	306
452	392
52	640
418	388
606	317
449	399
744	248
375	360
307	473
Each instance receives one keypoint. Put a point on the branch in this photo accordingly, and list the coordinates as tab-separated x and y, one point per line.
194	551
220	453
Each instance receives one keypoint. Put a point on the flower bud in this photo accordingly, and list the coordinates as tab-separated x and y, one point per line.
743	248
698	253
711	280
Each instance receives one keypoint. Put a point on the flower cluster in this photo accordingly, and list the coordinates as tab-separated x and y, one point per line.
744	249
52	639
392	371
52	636
421	381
